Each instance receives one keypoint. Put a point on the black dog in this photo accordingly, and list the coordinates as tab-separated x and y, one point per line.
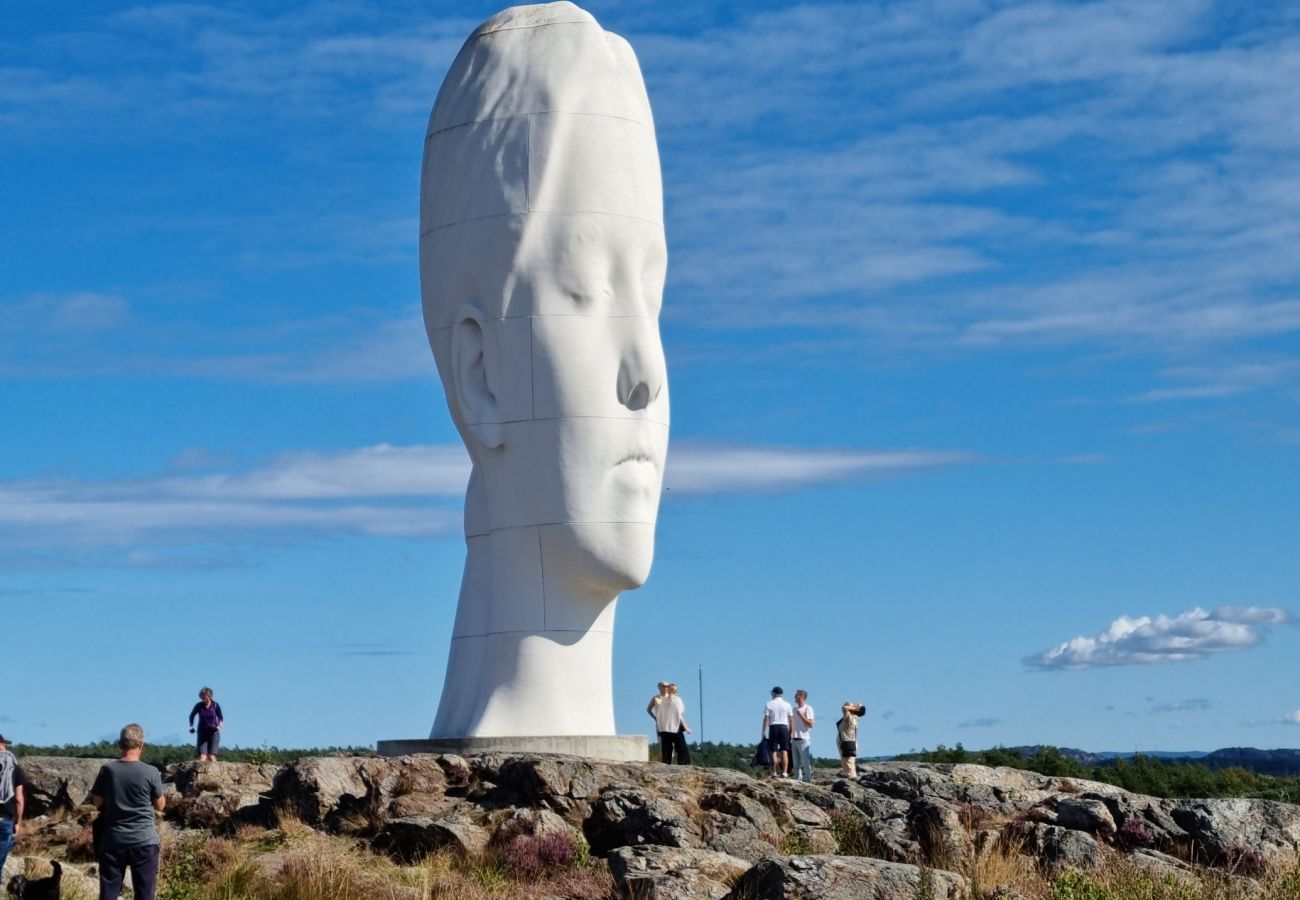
37	888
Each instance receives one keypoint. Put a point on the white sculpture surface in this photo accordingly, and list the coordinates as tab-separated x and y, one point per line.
542	262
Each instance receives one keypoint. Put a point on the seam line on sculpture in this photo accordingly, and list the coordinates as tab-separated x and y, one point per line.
481	634
536	112
548	524
558	418
528	165
542	212
541	564
483	34
532	379
549	316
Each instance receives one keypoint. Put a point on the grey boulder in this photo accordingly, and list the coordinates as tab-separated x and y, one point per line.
671	873
844	878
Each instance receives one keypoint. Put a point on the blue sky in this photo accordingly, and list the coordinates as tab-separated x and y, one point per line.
982	320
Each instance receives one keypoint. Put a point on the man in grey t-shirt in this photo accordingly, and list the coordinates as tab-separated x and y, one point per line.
127	794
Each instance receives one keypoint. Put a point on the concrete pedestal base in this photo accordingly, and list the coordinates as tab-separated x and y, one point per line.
619	748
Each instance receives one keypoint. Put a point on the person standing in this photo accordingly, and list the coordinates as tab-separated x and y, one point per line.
680	746
127	794
657	699
776	725
12	801
208	712
846	731
670	717
801	726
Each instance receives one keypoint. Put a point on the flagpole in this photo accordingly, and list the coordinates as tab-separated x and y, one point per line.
701	704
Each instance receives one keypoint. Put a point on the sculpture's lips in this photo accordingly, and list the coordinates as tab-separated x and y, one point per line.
638	457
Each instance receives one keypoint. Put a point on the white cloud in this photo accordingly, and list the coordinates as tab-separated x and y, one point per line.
317	61
356	345
1194	634
380	491
305	493
1086	459
380	471
927	174
1231	381
1292	718
705	469
918	124
1191	704
1252	615
41	314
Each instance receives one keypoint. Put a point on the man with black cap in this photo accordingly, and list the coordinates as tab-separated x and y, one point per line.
776	726
12	801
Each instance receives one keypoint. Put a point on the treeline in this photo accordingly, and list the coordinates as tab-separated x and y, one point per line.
1139	774
162	755
731	756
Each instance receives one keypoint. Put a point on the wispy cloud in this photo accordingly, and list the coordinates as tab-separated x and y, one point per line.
941	194
1191	704
1086	459
906	729
1291	718
316	62
1205	383
924	175
379	491
983	722
1194	634
704	469
86	334
62	313
376	648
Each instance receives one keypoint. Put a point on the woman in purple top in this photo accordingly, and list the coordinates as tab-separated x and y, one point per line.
210	722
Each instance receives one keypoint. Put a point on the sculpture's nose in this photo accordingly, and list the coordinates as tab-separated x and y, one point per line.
642	374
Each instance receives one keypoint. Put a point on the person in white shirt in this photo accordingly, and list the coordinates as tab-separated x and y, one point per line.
776	728
681	748
801	736
670	719
657	699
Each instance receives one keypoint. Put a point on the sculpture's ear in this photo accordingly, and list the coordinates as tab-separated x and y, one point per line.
474	370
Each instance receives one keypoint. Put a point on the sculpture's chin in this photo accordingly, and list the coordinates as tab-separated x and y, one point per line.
630	569
605	558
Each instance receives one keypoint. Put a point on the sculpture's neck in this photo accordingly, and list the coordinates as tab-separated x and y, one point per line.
532	651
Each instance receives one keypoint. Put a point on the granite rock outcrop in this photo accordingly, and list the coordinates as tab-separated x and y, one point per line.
680	831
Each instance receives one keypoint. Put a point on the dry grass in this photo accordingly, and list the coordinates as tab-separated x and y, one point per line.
1120	879
1003	864
295	862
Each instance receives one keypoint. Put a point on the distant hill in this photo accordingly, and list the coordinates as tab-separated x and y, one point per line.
1278	763
1101	757
1281	763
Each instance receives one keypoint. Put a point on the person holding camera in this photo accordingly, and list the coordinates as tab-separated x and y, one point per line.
847	736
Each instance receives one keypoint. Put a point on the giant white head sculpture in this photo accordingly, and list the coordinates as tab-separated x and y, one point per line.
542	261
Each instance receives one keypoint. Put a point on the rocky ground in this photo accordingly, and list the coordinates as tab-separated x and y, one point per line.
899	829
